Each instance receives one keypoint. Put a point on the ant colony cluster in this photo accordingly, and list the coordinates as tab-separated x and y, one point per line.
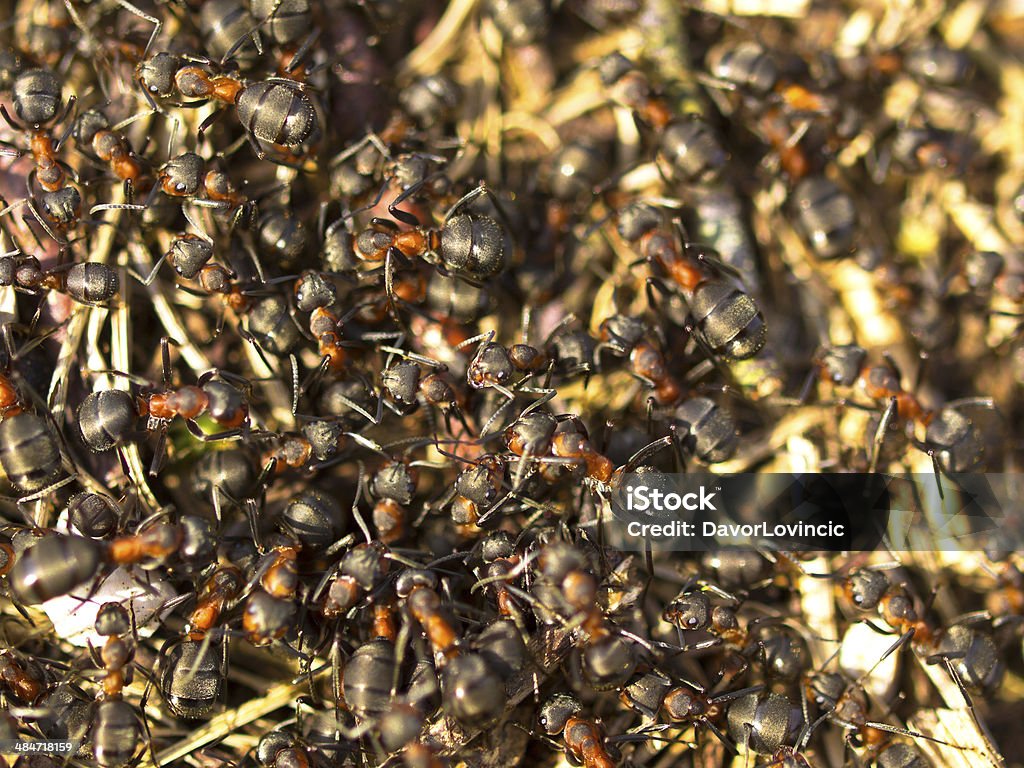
331	329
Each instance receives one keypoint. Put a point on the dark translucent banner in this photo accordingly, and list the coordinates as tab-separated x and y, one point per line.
832	512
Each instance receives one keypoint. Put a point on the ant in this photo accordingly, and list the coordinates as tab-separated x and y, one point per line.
183	177
279	749
778	648
475	493
977	663
313	293
217	593
724	318
109	146
371	679
765	723
308	524
277	112
871	590
539	436
950	437
493	365
25	680
501	565
629	337
688	149
998	280
700	428
191	677
115	727
36	96
473	690
393	486
977	666
567	592
470	244
269	610
190	256
681	704
406	384
30	452
775	101
845	703
362	569
584	738
322	440
106	418
57	563
90	282
419	590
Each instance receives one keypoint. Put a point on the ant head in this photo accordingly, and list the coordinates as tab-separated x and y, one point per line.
842	364
556	711
490	365
496	545
271	744
609	662
113	619
411	578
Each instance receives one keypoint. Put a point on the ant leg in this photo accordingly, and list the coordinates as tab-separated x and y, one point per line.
165	359
911	734
883	427
295	383
228	434
403	216
253	35
974	402
157	23
472	195
373	419
159	452
649	450
486	336
510	399
723	738
247	336
805	390
315	375
919	376
46	227
302	51
45	491
148	279
209	121
145	720
15	126
547	397
357	147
